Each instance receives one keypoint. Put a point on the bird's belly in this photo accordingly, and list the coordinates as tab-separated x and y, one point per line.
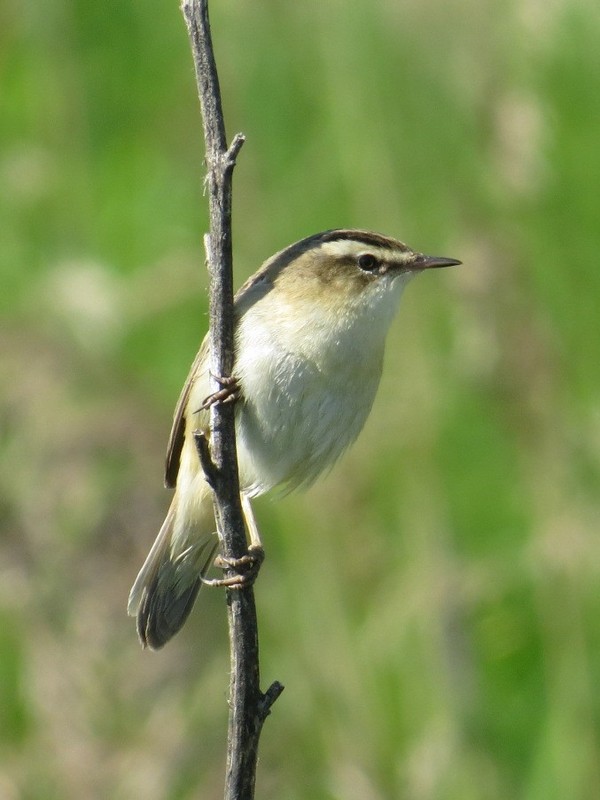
295	420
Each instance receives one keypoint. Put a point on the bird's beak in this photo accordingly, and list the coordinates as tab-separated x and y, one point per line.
422	262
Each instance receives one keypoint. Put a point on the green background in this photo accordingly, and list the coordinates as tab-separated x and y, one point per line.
433	605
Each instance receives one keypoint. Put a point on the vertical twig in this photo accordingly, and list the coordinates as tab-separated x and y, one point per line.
248	705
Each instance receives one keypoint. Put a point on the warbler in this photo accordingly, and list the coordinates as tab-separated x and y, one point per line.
310	330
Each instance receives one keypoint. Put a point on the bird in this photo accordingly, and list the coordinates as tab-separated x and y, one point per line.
310	329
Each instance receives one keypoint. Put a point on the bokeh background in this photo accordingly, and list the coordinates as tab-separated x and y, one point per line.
433	605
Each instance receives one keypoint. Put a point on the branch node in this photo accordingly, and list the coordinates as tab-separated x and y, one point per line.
233	150
268	698
211	473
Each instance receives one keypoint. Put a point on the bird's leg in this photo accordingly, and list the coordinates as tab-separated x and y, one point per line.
228	393
251	526
247	567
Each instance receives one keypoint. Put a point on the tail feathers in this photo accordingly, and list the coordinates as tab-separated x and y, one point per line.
169	598
166	588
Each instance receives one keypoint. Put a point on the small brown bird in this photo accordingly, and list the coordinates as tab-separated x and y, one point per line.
310	335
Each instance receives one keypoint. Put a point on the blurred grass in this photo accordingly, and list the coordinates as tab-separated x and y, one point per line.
433	605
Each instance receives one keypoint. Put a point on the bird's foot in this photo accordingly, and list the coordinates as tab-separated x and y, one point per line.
228	393
245	569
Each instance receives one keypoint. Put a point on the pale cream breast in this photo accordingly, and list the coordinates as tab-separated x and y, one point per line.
309	380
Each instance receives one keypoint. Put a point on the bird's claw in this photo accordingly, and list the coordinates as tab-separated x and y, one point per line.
228	393
245	568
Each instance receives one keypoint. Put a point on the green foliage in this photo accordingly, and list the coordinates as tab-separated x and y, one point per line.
432	606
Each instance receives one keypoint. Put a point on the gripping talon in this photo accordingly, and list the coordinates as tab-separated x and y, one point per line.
228	393
246	569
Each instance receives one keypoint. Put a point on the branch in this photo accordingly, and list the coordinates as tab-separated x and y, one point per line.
248	705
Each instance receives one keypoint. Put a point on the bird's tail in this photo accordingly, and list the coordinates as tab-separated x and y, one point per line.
166	587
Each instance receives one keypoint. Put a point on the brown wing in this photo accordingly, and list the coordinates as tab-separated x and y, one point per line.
253	289
178	430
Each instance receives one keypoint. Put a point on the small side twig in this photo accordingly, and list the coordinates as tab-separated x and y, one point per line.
249	707
208	465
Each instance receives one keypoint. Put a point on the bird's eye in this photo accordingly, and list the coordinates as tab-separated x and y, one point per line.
368	262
